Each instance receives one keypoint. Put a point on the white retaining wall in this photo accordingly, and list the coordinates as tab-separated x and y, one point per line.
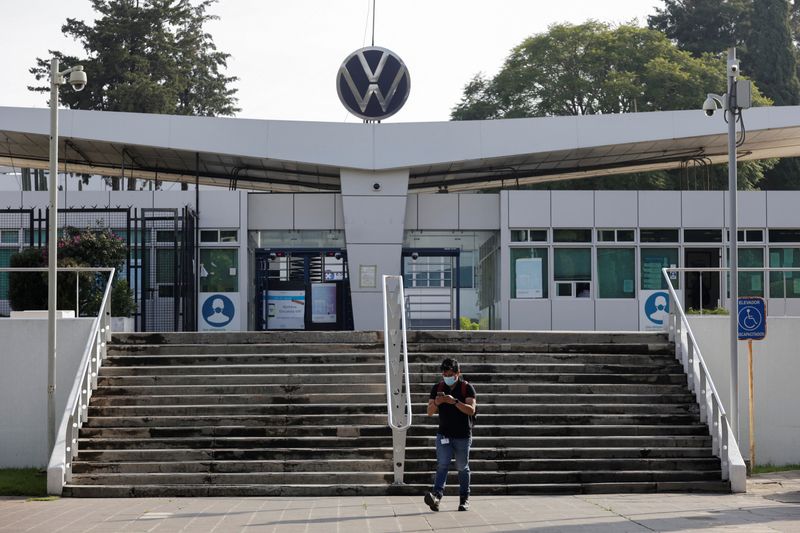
776	379
23	384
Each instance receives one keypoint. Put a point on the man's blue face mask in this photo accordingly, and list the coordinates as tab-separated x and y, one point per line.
449	380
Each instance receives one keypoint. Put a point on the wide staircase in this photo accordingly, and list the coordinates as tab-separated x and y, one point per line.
290	413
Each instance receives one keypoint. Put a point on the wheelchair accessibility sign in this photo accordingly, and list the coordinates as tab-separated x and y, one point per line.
752	318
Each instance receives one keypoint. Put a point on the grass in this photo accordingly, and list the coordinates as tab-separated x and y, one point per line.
769	468
717	311
23	482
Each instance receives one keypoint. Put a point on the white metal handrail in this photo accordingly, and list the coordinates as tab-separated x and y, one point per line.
397	374
723	441
59	468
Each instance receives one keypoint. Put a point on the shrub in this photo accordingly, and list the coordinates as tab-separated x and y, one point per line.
90	247
468	324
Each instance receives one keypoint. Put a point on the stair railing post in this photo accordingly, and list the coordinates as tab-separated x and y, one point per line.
713	428
703	397
398	392
690	363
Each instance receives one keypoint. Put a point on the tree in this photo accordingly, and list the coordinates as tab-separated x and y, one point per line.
767	33
148	56
772	43
700	26
594	68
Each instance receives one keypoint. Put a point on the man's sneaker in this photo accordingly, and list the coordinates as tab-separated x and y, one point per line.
432	500
463	504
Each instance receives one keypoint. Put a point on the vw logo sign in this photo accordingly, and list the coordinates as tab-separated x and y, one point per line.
373	83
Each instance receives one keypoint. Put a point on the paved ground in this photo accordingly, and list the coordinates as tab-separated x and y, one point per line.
771	504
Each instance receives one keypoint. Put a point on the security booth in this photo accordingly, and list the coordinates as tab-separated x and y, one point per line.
432	283
302	289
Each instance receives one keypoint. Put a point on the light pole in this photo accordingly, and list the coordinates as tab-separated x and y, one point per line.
77	78
737	98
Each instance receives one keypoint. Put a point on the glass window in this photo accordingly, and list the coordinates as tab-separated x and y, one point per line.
9	236
466	270
702	235
658	235
606	235
529	273
219	270
751	283
209	235
619	235
784	258
784	235
537	235
749	235
653	260
228	235
572	235
616	272
519	235
626	235
165	265
5	261
168	235
573	266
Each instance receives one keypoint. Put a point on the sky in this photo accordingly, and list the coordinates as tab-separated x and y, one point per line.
286	53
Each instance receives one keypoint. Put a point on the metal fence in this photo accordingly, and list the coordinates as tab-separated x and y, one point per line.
160	265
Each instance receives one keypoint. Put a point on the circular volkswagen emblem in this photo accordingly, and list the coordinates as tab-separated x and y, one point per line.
373	83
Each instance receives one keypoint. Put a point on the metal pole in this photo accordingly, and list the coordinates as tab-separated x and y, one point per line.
51	258
752	406
733	241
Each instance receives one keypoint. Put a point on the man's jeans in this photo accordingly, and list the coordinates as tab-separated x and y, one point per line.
444	454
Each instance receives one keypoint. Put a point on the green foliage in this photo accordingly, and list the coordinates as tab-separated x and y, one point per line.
98	247
771	44
27	291
769	468
766	33
596	68
85	248
592	68
700	26
23	482
468	325
147	56
715	311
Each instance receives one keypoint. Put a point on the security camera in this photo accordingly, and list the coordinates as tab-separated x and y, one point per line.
414	256
77	78
709	107
376	186
733	69
337	255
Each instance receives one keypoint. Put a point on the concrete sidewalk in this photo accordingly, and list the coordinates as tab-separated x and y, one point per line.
771	504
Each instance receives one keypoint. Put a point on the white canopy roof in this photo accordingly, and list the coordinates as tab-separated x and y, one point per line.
307	156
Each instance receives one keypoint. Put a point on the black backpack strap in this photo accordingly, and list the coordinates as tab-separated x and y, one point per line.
464	384
440	387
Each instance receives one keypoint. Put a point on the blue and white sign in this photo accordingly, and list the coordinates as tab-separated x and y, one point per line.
752	318
218	312
373	83
654	310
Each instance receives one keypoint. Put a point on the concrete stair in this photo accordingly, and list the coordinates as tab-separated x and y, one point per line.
290	413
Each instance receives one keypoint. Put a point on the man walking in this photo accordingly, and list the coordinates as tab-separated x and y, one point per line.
454	400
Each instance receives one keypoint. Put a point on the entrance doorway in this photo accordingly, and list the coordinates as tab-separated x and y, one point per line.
702	289
302	289
431	280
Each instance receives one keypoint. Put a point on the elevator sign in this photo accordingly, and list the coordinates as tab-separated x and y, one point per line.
752	318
